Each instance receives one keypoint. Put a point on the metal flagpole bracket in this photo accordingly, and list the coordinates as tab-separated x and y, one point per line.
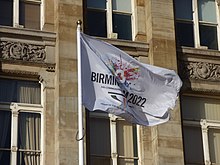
77	133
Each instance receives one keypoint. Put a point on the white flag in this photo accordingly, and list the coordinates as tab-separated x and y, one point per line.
116	83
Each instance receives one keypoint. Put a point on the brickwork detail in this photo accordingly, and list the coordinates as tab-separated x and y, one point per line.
22	51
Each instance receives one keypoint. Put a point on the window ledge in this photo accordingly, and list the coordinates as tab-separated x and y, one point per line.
21	46
195	52
13	32
20	106
199	69
133	48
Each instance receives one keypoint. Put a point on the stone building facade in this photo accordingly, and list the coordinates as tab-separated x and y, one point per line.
38	81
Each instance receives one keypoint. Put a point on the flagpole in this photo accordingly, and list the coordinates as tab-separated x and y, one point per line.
80	113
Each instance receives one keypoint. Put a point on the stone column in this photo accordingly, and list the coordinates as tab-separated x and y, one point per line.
49	122
68	13
139	21
205	141
164	142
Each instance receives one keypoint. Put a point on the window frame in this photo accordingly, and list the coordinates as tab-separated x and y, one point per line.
109	18
114	155
15	14
196	23
15	108
204	125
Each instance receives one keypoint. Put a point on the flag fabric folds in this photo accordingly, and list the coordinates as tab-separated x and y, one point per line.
114	82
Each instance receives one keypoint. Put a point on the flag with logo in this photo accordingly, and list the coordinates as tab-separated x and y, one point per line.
114	82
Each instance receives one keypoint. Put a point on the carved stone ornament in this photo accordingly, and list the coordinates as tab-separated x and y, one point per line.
201	70
22	51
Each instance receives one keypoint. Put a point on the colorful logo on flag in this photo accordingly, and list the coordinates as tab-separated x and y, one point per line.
128	74
124	71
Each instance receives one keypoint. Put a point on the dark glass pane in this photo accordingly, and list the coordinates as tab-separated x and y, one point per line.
5	157
185	35
29	15
100	148
193	145
96	160
6	12
8	90
100	4
208	36
20	158
122	26
135	144
5	129
96	23
183	9
5	136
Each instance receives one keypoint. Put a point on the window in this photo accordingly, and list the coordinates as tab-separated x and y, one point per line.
20	116
197	23
111	18
21	13
201	130
110	140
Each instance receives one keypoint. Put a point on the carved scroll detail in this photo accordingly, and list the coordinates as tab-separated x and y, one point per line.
22	51
201	70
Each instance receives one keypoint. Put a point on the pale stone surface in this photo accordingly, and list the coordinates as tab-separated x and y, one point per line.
161	37
154	43
67	147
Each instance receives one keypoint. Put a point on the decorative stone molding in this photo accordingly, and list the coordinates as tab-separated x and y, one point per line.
51	68
214	91
204	125
16	72
22	51
14	149
201	70
14	108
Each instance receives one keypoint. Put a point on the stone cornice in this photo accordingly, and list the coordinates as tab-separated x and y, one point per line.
199	64
199	70
21	46
204	88
195	53
49	66
6	72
